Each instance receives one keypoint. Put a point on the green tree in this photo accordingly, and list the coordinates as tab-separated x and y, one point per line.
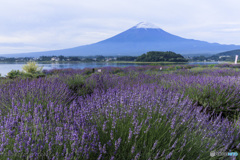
126	58
100	58
157	56
61	57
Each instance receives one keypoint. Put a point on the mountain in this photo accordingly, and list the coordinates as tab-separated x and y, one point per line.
140	39
226	56
229	53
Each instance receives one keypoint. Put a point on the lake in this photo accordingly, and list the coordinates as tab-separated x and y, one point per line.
7	67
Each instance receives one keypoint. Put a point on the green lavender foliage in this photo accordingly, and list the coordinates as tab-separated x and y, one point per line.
134	115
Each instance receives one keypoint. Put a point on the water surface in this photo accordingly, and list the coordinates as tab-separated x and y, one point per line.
7	67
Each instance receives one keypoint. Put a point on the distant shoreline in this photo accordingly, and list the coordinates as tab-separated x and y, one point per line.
142	62
49	62
133	62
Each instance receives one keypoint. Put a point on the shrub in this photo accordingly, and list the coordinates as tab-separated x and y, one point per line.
32	68
119	124
212	65
30	75
18	74
130	117
88	71
118	70
14	74
34	91
77	84
218	98
216	92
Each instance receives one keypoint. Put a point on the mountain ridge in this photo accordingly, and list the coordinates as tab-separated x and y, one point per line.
140	39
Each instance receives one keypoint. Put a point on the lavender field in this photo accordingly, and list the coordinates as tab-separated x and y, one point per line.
178	112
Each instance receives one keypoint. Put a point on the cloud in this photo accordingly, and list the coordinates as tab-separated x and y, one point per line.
39	25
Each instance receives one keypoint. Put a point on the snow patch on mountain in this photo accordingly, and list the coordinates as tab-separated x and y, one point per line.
146	25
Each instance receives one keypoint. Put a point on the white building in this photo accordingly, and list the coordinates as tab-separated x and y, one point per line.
55	59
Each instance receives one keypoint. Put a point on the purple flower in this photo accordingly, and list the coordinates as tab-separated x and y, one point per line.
117	143
155	145
163	153
130	135
111	135
99	157
104	126
238	146
169	155
173	122
104	149
156	157
174	145
137	156
133	149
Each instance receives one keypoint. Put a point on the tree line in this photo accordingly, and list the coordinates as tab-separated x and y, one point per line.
152	56
158	56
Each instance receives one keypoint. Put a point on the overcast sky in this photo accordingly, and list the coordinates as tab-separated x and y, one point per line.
41	25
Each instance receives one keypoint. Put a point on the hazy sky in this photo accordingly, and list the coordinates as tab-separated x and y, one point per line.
39	25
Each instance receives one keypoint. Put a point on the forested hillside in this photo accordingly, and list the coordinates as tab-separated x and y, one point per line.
157	56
